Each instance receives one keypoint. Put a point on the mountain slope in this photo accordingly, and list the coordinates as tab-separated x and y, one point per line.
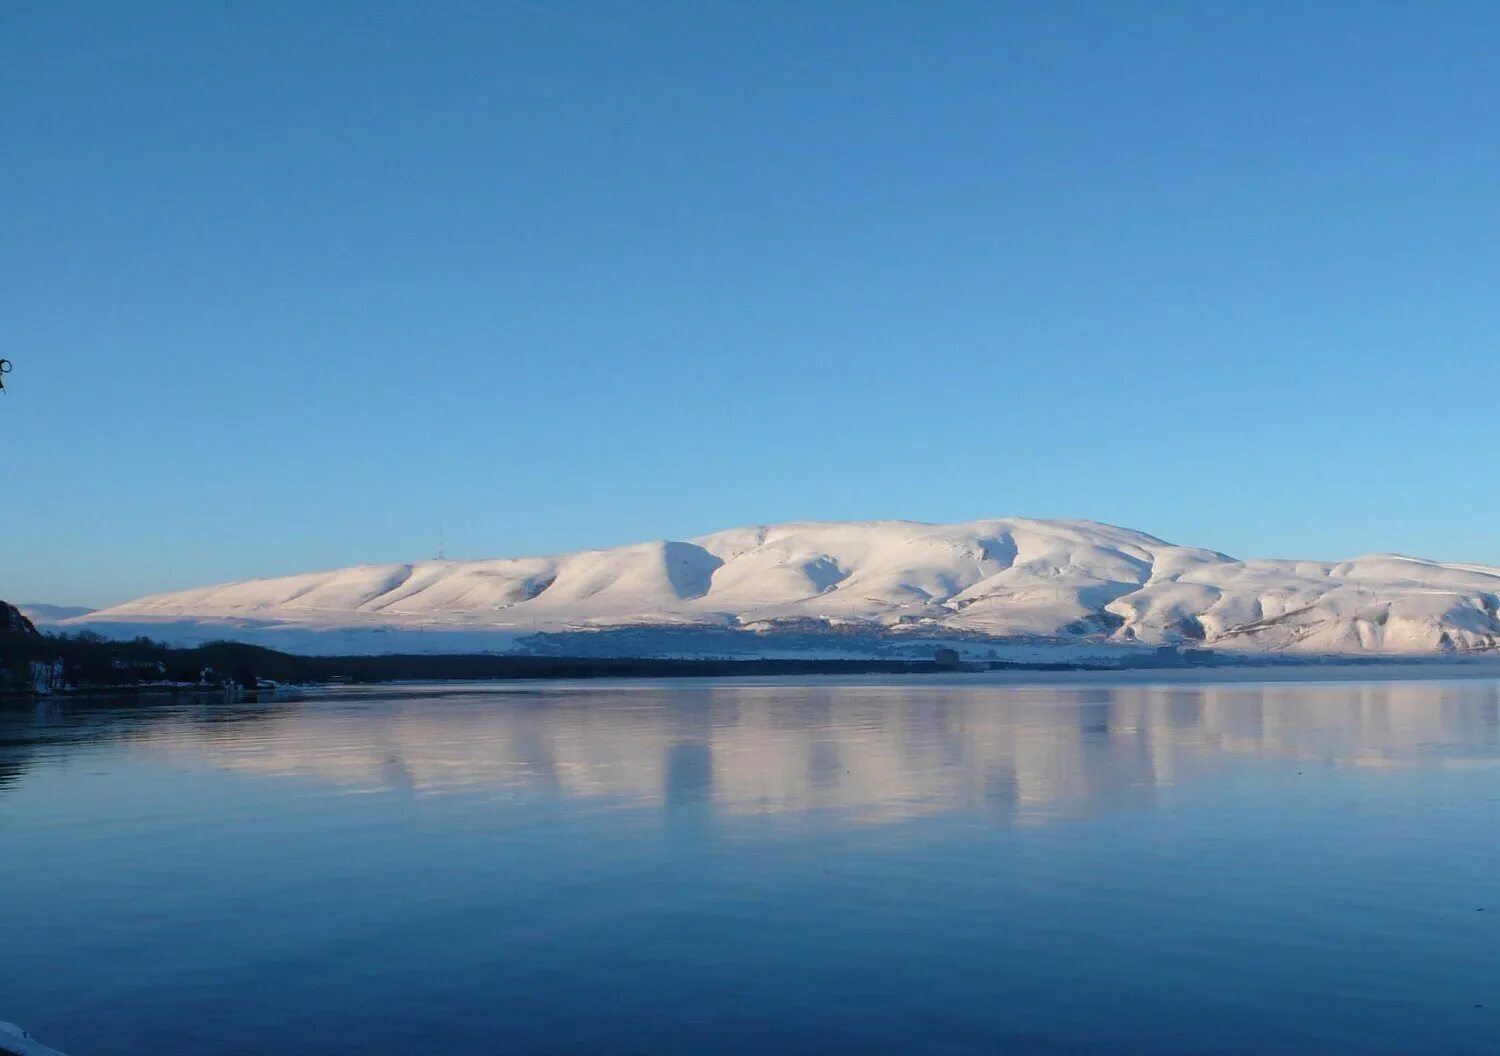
1011	579
14	621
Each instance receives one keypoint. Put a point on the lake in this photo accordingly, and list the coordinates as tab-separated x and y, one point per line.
940	865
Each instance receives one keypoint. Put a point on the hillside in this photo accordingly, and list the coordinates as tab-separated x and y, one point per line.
14	621
1051	585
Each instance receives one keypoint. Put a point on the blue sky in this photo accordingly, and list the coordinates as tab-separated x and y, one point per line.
287	285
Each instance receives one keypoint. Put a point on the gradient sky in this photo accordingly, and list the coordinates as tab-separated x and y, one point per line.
287	285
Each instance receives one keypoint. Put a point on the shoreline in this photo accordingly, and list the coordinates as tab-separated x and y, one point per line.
464	671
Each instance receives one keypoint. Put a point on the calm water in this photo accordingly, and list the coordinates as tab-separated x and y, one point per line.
698	867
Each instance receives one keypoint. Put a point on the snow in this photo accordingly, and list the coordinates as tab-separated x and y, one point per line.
1058	583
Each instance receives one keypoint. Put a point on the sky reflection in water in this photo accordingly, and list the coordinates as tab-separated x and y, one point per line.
680	867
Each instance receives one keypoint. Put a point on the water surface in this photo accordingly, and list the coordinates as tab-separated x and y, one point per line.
939	865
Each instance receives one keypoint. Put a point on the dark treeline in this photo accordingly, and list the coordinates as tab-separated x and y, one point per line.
87	661
32	661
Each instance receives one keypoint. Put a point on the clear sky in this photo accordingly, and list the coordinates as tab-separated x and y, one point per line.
287	285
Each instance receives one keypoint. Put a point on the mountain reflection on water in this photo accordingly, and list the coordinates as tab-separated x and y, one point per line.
886	750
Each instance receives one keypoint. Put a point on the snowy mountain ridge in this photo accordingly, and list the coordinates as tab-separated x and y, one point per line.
1013	579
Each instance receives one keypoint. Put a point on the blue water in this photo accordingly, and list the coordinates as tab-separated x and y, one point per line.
937	866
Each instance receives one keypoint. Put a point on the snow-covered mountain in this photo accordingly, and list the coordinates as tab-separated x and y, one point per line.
1048	584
